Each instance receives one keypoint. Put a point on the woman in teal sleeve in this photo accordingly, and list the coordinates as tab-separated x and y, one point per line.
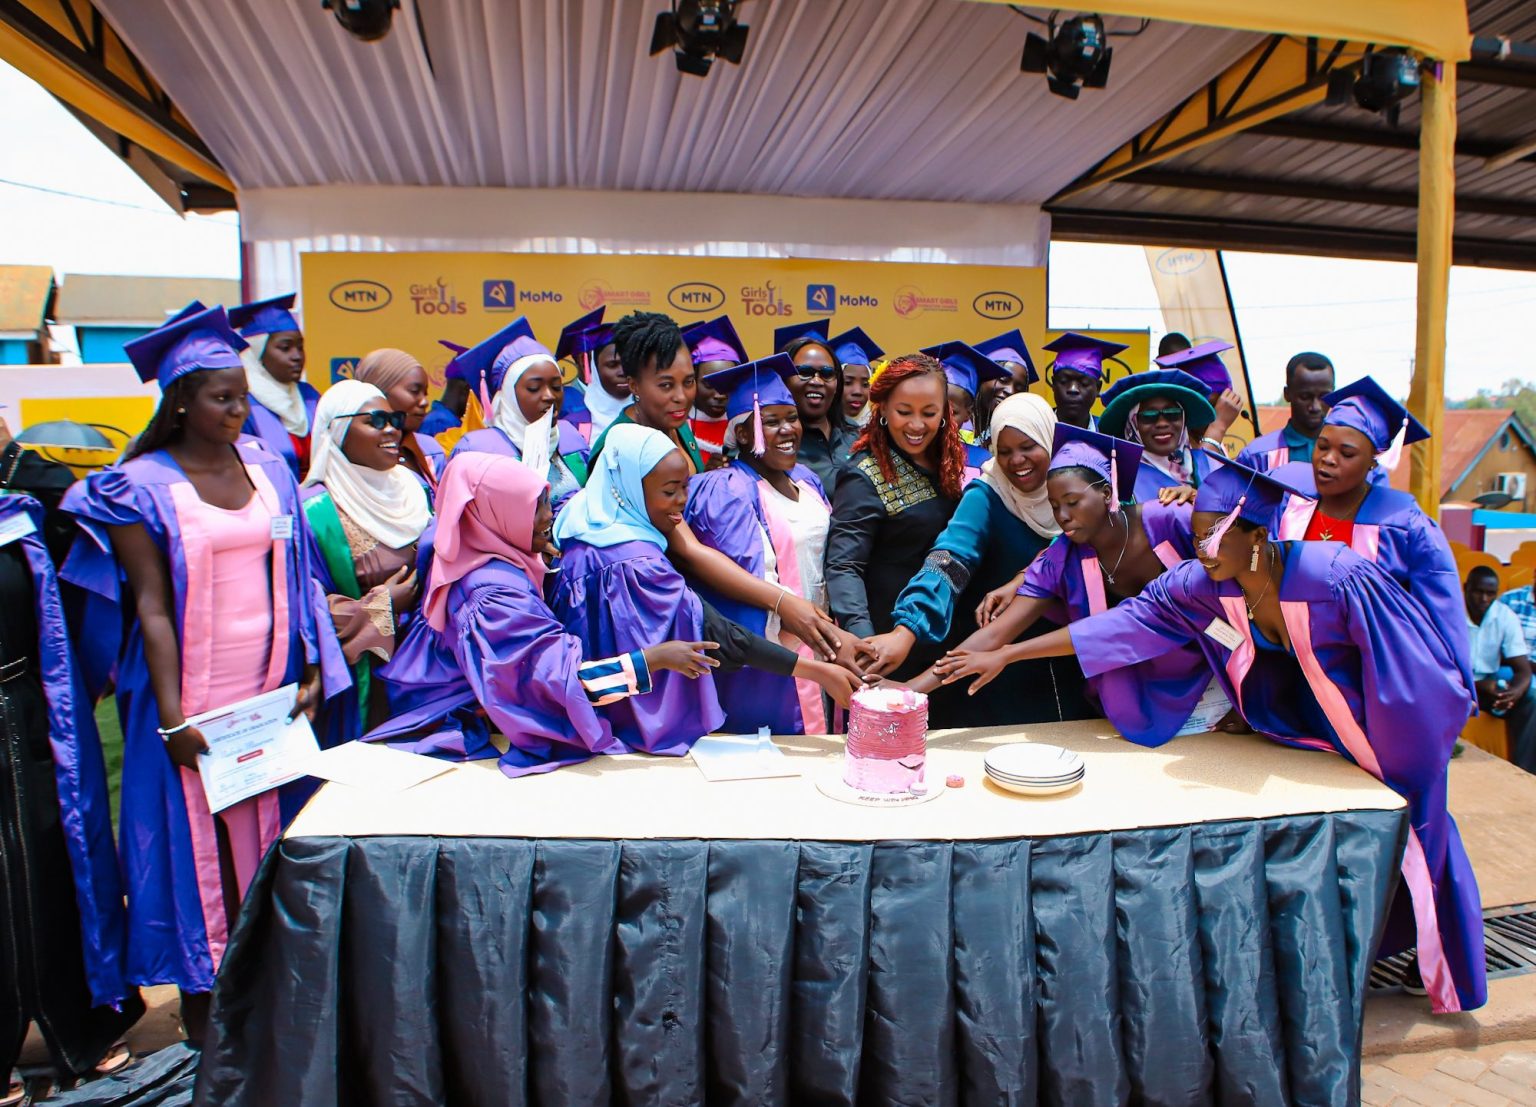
1003	521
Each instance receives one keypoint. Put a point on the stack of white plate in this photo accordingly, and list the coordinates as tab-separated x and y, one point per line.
1031	769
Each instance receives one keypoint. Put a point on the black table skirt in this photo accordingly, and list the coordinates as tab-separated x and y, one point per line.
1216	963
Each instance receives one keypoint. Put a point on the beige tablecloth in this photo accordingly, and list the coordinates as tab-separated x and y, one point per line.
1201	778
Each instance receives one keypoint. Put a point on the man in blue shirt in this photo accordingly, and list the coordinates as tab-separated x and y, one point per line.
1501	664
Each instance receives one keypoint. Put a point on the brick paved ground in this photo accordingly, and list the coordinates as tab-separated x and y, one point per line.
1489	1076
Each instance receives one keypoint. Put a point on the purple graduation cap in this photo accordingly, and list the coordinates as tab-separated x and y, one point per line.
715	340
1009	346
484	365
453	347
192	308
1203	363
1237	492
816	328
1077	353
1365	406
964	365
854	347
1114	459
752	387
566	346
265	316
188	342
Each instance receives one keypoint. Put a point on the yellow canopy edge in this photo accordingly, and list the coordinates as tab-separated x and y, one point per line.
1437	28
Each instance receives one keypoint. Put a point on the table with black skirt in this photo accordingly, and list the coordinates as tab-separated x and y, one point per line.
1193	924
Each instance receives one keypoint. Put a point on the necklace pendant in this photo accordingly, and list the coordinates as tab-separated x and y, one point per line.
1326	535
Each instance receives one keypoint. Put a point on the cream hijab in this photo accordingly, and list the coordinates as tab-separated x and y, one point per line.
507	416
1030	415
283	400
391	506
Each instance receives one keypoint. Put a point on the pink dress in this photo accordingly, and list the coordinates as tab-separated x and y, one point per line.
241	592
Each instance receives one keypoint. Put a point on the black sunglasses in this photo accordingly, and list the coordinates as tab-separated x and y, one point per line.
378	420
1172	414
825	372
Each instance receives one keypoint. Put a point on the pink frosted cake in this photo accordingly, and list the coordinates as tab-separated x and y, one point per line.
887	741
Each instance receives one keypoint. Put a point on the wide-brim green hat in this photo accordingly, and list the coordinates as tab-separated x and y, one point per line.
1173	384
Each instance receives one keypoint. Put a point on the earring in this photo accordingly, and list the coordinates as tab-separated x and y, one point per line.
882	420
1253	562
181	411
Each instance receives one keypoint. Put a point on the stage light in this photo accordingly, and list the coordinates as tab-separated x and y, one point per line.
366	19
1075	57
1386	79
698	32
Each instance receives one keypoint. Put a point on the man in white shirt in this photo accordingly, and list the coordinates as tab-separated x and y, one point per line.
1501	664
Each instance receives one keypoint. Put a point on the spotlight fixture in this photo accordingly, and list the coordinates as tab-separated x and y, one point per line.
1075	57
1387	78
365	19
698	32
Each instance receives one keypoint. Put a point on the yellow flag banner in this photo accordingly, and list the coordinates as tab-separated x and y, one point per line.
1192	289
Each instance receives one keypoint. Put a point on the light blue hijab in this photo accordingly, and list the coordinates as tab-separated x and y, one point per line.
611	508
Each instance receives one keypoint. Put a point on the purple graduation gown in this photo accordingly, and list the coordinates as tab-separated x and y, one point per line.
1149	478
1393	531
433	451
503	652
79	773
1391	690
177	926
628	597
262	423
725	511
1149	702
493	440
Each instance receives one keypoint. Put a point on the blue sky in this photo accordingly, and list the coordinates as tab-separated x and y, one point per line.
66	201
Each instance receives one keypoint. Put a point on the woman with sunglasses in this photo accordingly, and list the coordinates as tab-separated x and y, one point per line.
894	499
367	513
817	385
520	385
195	592
404	383
1154	411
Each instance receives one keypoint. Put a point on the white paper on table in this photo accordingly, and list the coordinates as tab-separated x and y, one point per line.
1211	709
376	768
740	757
253	747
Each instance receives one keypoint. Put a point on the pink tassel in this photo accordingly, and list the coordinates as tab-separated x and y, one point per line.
1212	542
759	441
586	366
1114	473
1389	457
485	400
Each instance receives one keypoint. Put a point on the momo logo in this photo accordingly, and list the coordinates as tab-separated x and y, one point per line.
599	293
765	299
696	296
1180	262
498	296
361	295
998	305
436	298
821	299
910	301
343	368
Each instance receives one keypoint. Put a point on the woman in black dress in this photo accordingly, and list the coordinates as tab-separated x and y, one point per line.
893	498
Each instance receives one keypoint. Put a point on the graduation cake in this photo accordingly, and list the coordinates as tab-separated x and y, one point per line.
887	748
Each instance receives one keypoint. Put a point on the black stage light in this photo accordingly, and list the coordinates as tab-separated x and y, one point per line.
698	32
1075	57
366	19
1387	78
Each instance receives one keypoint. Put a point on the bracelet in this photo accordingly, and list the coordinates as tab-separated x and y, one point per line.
164	733
1215	443
777	602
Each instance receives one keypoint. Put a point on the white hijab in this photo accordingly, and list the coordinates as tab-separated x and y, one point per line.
391	506
1030	415
283	400
535	441
603	407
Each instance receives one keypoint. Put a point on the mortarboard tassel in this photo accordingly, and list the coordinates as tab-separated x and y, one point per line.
1389	457
1114	473
759	441
1212	543
485	398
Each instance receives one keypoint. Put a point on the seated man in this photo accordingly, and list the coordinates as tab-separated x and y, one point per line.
1501	664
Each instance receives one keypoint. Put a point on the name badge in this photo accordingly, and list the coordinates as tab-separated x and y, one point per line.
1225	633
17	526
282	528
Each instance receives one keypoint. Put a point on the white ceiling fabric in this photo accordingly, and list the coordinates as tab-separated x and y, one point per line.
918	100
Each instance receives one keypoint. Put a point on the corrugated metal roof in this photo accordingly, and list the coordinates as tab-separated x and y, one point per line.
25	294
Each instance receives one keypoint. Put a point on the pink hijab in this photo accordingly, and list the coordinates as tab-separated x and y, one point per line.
485	509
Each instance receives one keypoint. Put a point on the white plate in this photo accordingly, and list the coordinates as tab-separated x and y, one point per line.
1033	782
1035	790
1033	761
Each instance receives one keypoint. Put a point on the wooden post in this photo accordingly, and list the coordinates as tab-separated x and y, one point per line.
1437	218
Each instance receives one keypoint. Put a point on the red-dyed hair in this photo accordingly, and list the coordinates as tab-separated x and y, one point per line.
877	441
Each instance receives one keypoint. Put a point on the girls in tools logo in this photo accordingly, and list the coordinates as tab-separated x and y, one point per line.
765	299
436	299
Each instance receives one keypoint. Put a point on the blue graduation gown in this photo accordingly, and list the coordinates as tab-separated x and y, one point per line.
1149	478
725	512
1394	697
262	423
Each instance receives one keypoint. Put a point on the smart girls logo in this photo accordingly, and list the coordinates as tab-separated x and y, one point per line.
436	299
596	294
765	299
909	301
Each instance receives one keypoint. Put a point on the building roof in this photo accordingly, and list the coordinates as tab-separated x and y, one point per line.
26	294
87	299
1466	437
